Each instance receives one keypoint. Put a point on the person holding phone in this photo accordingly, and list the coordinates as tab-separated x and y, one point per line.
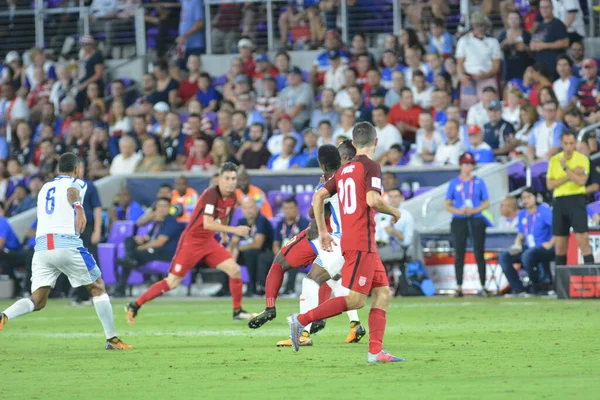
466	198
533	246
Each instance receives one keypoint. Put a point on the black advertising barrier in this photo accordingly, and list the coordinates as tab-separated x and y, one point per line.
578	282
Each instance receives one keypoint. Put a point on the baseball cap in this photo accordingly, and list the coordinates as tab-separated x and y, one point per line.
494	105
12	56
467	158
295	70
587	63
284	116
242	79
473	129
86	40
378	92
332	32
333	54
245	43
161	106
269	77
262	58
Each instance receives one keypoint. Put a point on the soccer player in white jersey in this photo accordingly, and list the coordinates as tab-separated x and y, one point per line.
58	249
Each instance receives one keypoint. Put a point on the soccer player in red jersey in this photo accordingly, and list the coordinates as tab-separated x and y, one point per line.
358	186
197	243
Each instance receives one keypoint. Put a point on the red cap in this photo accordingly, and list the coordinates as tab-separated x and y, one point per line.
467	158
473	129
589	63
332	32
284	116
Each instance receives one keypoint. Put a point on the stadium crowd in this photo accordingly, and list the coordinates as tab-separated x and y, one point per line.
432	94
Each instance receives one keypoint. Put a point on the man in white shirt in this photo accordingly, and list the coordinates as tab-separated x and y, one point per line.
127	159
478	114
342	98
422	90
570	13
414	63
544	140
283	161
285	129
334	77
508	213
478	61
387	134
449	152
394	240
12	108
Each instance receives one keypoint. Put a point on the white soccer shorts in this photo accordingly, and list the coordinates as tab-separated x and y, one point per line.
331	261
76	263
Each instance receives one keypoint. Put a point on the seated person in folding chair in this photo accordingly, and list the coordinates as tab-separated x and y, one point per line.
158	245
394	240
11	253
533	246
125	209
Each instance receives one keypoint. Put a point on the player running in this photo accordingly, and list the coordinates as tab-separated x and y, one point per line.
58	249
302	250
358	185
197	243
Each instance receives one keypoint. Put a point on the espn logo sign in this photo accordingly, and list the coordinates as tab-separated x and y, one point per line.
584	287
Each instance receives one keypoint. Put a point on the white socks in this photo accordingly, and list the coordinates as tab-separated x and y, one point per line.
105	314
309	298
340	291
20	307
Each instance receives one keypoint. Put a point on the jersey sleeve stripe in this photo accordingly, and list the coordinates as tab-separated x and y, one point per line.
355	268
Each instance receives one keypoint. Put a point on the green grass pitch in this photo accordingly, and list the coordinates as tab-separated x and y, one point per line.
455	349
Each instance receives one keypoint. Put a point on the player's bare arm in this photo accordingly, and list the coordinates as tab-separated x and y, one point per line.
73	198
319	206
214	226
375	201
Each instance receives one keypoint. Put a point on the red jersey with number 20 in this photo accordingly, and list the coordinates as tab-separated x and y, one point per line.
351	183
212	203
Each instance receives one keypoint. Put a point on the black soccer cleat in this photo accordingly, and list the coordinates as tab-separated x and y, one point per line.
317	326
268	315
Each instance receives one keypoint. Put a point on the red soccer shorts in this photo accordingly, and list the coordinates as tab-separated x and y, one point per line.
298	252
363	271
189	253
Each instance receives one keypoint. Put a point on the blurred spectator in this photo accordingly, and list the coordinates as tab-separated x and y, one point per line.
200	158
195	132
325	111
221	153
239	122
394	239
449	152
282	63
511	112
188	88
247	191
99	153
191	28
93	96
405	115
309	149
376	98
127	160
18	204
22	144
498	133
477	114
387	134
514	42
550	39
125	209
245	48
184	196
91	69
373	86
247	251
452	70
12	109
164	191
166	87
174	141
62	87
14	202
245	106
421	90
207	95
253	154
528	118
577	54
14	75
574	118
508	213
119	123
39	93
342	98
544	141
286	159
285	129
143	104
570	14
48	159
321	64
409	39
225	27
334	77
393	157
159	244
226	130
11	255
118	93
362	112
413	62
390	182
586	94
440	101
15	177
266	103
325	133
440	40
390	65
428	140
152	161
478	57
263	68
482	152
566	85
347	122
296	100
392	97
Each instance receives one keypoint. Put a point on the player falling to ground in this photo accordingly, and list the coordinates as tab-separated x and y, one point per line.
358	185
301	251
198	243
58	249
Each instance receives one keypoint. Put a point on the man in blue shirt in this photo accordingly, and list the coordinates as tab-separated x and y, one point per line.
11	256
159	243
482	152
498	133
191	27
126	209
533	246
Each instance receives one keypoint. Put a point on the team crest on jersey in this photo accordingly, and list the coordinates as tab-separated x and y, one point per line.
348	169
177	267
362	280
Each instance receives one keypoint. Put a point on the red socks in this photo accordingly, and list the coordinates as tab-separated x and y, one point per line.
330	308
324	293
273	283
376	330
235	287
153	292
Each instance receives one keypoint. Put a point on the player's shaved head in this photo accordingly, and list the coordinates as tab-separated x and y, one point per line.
68	163
329	158
347	151
364	135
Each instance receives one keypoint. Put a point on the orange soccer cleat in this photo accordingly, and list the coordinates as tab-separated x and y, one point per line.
305	340
356	332
131	311
3	320
116	344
